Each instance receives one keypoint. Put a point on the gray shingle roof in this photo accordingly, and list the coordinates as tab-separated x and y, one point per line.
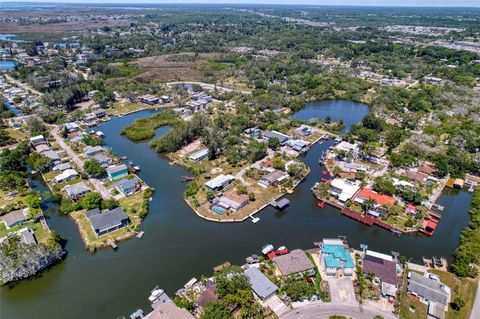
104	221
294	262
427	288
78	188
16	216
261	285
126	184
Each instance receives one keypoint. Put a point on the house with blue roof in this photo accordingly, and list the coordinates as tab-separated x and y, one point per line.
336	258
127	186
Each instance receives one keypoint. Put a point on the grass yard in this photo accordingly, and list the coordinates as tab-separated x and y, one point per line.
122	108
412	308
132	204
40	233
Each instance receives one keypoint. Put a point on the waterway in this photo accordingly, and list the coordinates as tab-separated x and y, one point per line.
178	245
348	111
7	65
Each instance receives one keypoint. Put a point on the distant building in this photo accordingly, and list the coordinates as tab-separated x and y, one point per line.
51	155
103	160
107	222
367	193
149	99
231	200
15	217
294	262
116	172
71	127
261	285
304	130
61	167
347	147
27	236
344	189
199	155
336	258
298	145
37	140
78	190
219	182
282	138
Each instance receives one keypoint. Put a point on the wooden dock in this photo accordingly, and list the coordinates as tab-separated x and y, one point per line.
112	243
368	220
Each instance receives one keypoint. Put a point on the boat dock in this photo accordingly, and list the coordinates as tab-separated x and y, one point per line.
280	204
367	220
254	219
112	243
140	234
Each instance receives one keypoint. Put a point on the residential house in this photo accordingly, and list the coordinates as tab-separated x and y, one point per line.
127	186
117	171
219	182
169	310
15	217
37	140
61	167
348	147
71	127
429	289
343	189
42	148
78	190
231	200
208	295
261	285
52	155
282	138
108	221
384	268
380	199
27	236
273	178
149	99
298	145
199	155
100	113
103	160
336	258
92	150
304	131
294	262
66	175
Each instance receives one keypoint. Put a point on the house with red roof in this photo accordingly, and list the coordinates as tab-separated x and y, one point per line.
380	199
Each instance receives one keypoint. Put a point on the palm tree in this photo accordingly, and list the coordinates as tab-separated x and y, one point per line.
368	204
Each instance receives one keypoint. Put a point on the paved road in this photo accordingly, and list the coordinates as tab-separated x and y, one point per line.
325	310
476	304
211	86
98	185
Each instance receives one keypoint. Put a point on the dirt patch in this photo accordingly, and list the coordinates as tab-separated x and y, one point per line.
187	149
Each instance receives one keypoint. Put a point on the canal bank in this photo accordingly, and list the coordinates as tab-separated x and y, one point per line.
179	245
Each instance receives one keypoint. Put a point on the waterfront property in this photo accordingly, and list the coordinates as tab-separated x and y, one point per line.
15	217
273	178
231	200
343	189
219	182
92	150
384	268
106	222
429	289
37	140
294	262
66	175
261	285
117	171
127	186
168	310
336	258
380	199
78	190
199	155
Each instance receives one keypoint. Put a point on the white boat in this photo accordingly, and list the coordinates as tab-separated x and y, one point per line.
136	168
140	234
282	248
267	249
99	134
191	282
156	292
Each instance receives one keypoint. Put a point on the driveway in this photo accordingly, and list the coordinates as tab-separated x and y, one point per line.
341	290
325	310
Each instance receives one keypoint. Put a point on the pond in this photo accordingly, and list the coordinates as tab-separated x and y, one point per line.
9	38
7	65
348	111
178	245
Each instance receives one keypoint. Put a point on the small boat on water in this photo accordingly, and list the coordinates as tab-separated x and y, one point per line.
325	180
321	204
267	249
120	115
156	292
325	172
136	168
187	178
123	158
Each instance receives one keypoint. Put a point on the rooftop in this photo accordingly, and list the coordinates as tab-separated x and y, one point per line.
261	285
336	256
386	270
427	288
294	262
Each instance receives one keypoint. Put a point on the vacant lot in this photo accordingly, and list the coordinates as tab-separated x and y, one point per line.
176	67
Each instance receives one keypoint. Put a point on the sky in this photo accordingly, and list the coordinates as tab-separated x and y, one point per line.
412	3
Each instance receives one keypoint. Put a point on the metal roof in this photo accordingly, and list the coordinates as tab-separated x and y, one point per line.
107	220
261	285
428	289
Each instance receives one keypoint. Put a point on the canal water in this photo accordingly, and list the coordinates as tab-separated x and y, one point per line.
178	245
7	65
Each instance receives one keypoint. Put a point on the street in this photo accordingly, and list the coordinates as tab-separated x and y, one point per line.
325	310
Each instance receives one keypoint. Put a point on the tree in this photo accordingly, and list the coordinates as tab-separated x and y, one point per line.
241	189
90	201
295	170
457	304
39	162
278	163
251	197
36	127
184	303
273	143
368	204
110	203
216	310
93	168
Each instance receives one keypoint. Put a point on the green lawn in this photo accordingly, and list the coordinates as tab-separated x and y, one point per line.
40	233
419	309
122	108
